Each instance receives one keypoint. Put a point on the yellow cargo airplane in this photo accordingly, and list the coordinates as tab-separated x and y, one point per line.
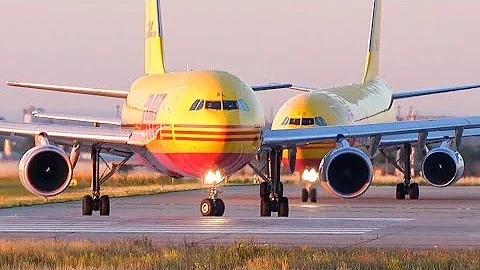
367	102
204	124
209	124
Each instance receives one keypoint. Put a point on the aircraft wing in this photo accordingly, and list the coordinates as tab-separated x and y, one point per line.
303	88
115	139
76	118
389	134
270	86
117	93
71	89
392	141
425	92
408	93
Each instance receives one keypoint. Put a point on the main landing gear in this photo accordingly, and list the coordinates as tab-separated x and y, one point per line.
406	188
212	206
271	190
99	202
309	193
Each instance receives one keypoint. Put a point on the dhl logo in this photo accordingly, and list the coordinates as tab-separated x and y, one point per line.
151	32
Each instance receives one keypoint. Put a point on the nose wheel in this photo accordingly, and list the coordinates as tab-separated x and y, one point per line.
212	206
309	193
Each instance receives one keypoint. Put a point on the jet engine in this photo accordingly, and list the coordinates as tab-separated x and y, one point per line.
45	170
346	172
443	166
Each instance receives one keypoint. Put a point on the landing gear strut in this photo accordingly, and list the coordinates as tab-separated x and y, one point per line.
407	188
271	190
212	206
99	202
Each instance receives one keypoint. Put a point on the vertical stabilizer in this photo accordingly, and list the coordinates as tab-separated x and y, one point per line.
372	61
154	63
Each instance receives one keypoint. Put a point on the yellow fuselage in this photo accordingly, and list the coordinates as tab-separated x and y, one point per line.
194	122
368	102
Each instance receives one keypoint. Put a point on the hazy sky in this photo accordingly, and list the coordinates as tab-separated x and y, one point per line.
99	43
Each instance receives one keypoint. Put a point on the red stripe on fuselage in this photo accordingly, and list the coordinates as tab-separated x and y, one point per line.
209	132
158	125
203	139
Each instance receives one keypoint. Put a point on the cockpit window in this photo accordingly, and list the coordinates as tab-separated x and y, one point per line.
294	121
243	105
197	105
200	105
213	105
307	121
229	105
319	121
194	105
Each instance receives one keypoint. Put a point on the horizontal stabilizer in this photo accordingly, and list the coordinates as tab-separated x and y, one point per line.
75	90
270	86
426	92
75	118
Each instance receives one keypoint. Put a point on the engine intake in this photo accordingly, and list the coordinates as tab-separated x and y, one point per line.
346	172
45	170
442	167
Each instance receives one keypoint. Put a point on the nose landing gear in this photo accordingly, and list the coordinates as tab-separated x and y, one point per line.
212	206
309	193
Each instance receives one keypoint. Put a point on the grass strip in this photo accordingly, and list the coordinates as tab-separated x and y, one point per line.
142	253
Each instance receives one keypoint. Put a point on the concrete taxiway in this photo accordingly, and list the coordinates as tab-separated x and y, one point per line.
448	217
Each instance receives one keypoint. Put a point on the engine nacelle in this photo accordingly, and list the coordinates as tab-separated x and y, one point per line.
45	170
346	172
442	167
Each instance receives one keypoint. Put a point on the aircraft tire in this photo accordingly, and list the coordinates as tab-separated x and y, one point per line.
207	207
265	208
87	205
313	195
304	195
400	192
264	190
104	205
219	208
283	208
414	191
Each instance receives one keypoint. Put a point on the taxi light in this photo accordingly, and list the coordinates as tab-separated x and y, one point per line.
212	178
310	175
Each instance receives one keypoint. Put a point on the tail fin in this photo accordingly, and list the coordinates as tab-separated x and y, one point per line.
154	63
372	62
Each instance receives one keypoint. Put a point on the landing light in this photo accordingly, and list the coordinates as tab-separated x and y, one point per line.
310	175
212	178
